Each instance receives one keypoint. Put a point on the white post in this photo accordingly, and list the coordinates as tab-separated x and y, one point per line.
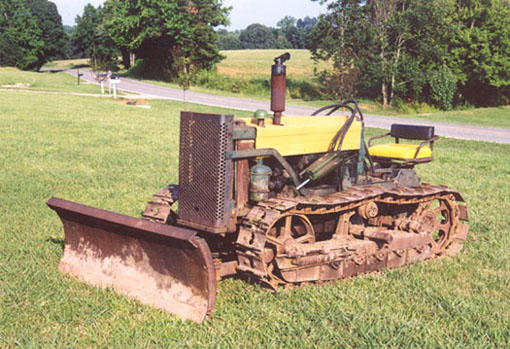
114	83
109	86
102	87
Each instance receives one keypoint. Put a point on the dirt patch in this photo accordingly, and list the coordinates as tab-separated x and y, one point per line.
17	85
141	103
368	107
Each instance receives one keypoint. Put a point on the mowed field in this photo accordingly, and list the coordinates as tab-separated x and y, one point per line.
68	63
47	82
247	63
104	153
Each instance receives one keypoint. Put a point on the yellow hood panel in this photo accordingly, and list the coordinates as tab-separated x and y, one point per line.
305	134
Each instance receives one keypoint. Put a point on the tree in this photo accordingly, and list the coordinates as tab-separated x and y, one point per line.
287	26
52	31
339	37
305	27
229	40
393	44
480	50
166	33
31	33
257	36
91	40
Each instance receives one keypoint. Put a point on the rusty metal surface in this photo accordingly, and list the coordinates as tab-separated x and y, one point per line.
205	174
395	227
160	208
359	193
168	267
242	174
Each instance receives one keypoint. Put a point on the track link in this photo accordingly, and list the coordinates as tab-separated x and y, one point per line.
282	242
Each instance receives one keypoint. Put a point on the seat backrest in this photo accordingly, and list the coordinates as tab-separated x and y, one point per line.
412	132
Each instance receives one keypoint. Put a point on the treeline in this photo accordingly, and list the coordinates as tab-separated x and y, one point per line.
441	52
290	33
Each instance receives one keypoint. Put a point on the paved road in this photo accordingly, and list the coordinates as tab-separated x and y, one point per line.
489	134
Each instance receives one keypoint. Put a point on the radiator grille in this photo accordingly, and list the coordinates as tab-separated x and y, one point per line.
205	175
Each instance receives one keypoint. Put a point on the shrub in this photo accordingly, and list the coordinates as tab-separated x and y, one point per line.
443	85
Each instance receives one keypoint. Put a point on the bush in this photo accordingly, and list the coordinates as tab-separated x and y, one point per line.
259	86
443	85
339	83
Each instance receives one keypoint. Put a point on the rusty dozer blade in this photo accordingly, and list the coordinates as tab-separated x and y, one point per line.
168	267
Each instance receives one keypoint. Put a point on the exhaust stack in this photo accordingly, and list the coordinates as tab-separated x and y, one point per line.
278	87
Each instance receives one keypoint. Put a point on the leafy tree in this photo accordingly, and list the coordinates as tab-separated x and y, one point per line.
171	36
287	27
393	45
340	37
229	40
480	49
257	36
281	41
443	85
305	27
295	31
52	30
68	29
31	33
424	50
91	40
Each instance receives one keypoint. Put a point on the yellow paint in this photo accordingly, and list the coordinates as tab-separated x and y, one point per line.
305	134
399	151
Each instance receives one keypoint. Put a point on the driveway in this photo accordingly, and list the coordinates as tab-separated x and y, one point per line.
489	134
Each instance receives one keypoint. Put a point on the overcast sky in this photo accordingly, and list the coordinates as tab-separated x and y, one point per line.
244	12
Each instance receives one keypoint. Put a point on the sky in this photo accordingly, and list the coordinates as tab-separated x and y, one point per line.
244	12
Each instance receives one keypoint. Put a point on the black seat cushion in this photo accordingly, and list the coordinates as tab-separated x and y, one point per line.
412	132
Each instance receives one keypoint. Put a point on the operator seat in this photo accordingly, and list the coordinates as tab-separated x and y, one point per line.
404	154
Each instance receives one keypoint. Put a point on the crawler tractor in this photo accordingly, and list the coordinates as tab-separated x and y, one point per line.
282	200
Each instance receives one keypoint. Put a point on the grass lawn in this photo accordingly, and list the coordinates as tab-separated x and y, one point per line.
103	153
47	81
68	63
489	117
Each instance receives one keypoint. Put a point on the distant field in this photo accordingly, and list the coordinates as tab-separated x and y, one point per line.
68	64
258	62
104	153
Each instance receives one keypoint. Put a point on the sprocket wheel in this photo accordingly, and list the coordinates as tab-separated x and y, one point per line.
287	229
438	219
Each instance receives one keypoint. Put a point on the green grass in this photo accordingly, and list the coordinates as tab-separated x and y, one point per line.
47	81
247	63
490	117
106	154
69	63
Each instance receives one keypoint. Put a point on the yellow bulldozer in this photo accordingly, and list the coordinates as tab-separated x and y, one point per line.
283	200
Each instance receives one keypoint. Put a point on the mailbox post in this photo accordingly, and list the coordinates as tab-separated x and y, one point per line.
79	76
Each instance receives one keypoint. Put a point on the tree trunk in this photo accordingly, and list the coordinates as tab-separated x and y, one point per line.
393	78
126	59
384	83
384	92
